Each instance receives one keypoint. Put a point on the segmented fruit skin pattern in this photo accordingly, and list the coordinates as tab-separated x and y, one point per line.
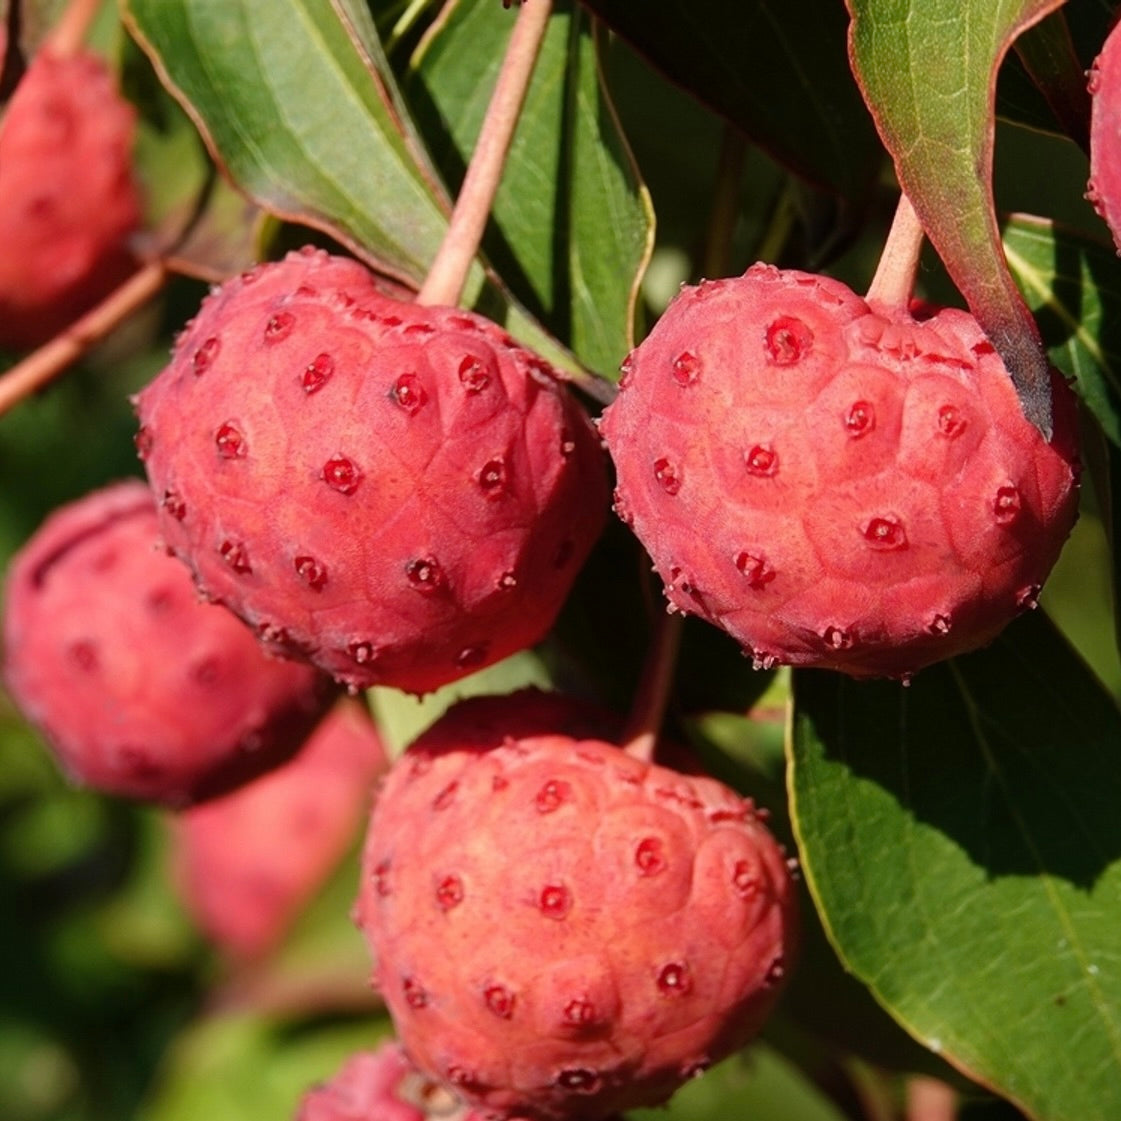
368	1087
560	930
835	484
69	200
248	863
1104	188
140	689
400	494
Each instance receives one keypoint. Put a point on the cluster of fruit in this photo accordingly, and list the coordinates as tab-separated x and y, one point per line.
349	489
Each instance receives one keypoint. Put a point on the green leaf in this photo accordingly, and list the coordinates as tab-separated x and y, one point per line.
961	840
1073	287
292	107
245	1067
572	226
288	107
928	72
776	68
759	1084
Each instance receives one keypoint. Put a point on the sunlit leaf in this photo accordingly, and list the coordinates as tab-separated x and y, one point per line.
288	107
928	72
572	226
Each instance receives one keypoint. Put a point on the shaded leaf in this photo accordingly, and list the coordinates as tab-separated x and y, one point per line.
1048	54
571	226
1073	287
928	73
775	68
759	1084
961	840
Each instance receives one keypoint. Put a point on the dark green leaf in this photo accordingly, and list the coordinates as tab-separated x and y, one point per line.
1073	287
962	841
776	68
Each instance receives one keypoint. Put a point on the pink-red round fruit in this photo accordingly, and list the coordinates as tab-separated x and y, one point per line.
561	930
249	862
400	494
140	689
1105	134
69	200
837	484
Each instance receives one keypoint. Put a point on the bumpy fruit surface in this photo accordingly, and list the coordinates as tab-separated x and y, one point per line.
381	1085
559	929
140	689
247	863
837	484
68	198
399	493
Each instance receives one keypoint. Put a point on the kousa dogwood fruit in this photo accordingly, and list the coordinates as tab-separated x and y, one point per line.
400	494
69	198
247	863
1104	189
834	483
559	929
138	687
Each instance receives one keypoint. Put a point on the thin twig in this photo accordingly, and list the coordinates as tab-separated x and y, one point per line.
45	364
644	723
448	274
717	256
895	274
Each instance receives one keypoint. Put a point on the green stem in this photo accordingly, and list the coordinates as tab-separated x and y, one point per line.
644	725
717	256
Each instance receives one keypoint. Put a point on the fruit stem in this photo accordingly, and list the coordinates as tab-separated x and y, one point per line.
68	36
43	365
930	1099
640	736
895	274
717	257
448	274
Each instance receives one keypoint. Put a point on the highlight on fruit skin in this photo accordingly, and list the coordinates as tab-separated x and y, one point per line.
138	688
837	485
399	494
246	864
69	198
1104	188
559	929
